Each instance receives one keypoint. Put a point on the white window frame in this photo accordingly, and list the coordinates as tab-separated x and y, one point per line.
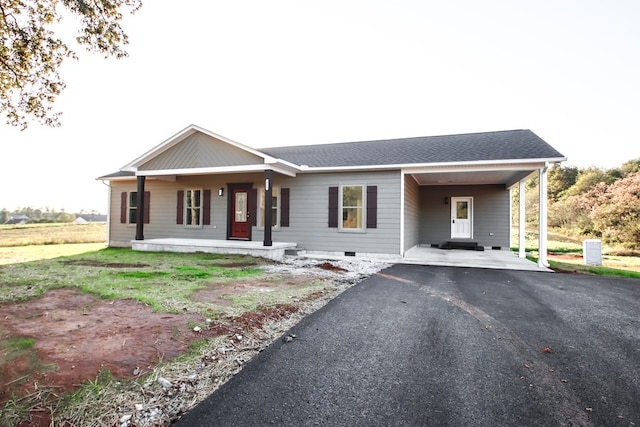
363	209
275	192
187	191
132	196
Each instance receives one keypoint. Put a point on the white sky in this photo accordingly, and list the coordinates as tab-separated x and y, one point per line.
271	73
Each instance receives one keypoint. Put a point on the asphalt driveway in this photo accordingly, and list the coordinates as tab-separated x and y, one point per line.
416	345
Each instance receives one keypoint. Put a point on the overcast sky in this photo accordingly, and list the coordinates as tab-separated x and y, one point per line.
271	73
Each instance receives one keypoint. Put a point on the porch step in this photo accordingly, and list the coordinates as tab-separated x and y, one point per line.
471	246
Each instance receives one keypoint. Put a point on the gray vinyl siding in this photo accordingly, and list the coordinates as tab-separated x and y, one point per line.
308	211
309	201
199	151
162	210
411	212
490	214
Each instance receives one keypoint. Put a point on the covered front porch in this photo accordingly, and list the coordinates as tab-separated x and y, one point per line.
237	247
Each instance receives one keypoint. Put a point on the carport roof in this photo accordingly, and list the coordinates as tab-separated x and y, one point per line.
473	147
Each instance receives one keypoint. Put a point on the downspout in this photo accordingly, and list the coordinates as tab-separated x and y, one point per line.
542	233
522	222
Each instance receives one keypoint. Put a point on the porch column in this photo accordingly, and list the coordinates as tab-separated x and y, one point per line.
268	201
140	209
522	222
542	233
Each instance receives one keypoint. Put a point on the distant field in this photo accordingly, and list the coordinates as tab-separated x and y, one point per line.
52	234
30	242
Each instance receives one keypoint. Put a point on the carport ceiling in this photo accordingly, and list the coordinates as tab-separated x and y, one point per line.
504	177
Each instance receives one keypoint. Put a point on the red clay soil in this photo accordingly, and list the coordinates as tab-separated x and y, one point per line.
77	335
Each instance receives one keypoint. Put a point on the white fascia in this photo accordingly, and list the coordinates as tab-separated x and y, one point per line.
218	170
480	165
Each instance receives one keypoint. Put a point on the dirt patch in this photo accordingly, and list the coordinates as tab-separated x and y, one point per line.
216	292
77	336
331	267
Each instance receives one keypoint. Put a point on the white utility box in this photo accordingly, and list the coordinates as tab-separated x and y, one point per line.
592	252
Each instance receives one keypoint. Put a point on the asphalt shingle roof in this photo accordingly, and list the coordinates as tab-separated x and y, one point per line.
488	146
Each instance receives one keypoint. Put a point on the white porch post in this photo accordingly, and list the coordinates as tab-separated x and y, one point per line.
542	233
522	222
402	195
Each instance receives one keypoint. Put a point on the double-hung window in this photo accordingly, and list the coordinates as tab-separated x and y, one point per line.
352	202
275	207
133	207
193	208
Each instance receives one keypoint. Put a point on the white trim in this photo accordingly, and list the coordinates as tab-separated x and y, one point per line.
402	202
363	209
215	170
542	219
441	167
522	229
470	209
200	209
275	191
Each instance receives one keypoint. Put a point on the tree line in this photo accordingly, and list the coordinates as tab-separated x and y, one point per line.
592	203
37	216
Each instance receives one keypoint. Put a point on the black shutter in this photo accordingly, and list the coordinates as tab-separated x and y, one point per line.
123	207
333	207
284	207
180	208
206	208
372	206
253	206
147	204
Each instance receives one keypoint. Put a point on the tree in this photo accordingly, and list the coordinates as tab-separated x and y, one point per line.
631	166
560	180
617	213
586	180
31	53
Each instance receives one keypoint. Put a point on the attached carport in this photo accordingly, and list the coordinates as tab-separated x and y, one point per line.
505	175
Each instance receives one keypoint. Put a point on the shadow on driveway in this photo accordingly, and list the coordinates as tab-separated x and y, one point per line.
417	345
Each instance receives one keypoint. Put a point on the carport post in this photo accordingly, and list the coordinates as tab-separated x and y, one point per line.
542	219
522	252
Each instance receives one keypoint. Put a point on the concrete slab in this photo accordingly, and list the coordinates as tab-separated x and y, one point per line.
494	259
237	247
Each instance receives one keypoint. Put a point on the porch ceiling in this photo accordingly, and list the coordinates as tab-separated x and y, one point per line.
503	177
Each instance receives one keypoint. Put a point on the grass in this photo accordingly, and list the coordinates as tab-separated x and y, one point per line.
165	281
52	234
564	253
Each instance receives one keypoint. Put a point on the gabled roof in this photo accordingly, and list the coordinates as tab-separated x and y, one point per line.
472	147
501	150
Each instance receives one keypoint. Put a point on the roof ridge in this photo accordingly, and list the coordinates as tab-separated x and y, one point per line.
392	139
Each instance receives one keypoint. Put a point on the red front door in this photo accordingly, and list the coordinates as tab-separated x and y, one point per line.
240	213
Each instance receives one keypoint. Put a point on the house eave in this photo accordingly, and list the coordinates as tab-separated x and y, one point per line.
218	170
441	166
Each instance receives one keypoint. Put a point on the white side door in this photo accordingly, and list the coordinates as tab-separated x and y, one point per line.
461	217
